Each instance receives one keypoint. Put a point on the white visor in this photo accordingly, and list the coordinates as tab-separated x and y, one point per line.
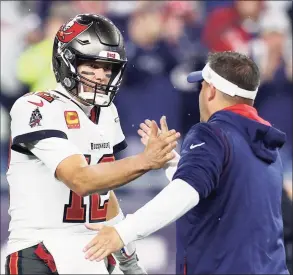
220	83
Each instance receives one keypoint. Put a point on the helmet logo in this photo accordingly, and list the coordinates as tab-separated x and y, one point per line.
69	31
111	55
108	54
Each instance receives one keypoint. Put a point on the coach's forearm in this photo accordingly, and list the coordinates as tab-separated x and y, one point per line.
170	204
109	175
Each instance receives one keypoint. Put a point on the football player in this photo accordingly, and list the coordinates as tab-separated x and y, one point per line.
62	167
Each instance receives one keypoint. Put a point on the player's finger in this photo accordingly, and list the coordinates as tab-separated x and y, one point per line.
171	138
169	156
163	136
144	128
141	133
154	129
164	125
148	122
169	148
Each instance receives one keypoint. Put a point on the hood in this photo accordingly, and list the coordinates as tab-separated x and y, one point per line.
264	139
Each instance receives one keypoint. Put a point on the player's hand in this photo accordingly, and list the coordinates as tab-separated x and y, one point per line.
103	244
145	129
159	147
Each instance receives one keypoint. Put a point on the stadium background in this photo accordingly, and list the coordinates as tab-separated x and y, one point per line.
164	41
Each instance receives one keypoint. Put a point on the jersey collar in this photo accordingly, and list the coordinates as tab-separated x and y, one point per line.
62	90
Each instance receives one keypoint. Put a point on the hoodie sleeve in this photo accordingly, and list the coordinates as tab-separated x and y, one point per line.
202	159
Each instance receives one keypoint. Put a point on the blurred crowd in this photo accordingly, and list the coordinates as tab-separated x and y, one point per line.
165	40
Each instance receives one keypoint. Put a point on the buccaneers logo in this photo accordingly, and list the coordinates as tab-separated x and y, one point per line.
69	31
36	118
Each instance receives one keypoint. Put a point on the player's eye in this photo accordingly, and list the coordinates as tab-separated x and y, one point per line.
93	66
107	67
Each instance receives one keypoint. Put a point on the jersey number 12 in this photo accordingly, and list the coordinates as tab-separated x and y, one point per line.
75	210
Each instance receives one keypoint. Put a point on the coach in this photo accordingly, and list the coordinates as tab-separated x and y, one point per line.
226	191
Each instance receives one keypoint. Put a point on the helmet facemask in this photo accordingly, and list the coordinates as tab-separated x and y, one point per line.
101	95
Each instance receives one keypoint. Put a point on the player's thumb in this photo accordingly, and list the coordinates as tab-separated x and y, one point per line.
95	227
154	129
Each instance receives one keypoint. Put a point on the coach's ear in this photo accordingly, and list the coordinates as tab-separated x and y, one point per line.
211	92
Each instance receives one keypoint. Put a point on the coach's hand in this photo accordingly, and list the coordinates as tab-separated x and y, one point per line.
159	147
104	243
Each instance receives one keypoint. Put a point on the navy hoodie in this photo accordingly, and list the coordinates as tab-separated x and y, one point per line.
234	164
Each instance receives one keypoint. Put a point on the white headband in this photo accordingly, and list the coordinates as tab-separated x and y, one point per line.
224	85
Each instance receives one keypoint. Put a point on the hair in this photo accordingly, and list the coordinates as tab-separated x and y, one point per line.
238	69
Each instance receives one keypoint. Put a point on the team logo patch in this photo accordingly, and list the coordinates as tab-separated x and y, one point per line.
72	119
70	30
36	118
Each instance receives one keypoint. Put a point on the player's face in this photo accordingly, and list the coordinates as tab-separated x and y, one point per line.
97	71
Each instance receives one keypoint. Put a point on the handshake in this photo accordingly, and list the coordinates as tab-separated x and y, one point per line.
159	143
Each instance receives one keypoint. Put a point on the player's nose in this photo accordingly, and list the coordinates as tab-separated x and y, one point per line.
100	75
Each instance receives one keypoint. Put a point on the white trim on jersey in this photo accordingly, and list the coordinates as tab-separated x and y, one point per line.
171	203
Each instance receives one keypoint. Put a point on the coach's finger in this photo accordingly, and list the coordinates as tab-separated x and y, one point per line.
93	242
106	253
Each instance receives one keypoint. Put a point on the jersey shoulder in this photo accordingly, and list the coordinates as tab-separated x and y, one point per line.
44	100
113	112
204	133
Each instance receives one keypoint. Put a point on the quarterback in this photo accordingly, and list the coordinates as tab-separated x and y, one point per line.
62	168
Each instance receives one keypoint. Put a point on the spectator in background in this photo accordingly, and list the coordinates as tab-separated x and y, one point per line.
39	75
272	53
272	50
148	54
231	28
17	20
181	31
97	7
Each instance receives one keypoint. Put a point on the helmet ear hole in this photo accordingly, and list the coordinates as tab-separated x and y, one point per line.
56	66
